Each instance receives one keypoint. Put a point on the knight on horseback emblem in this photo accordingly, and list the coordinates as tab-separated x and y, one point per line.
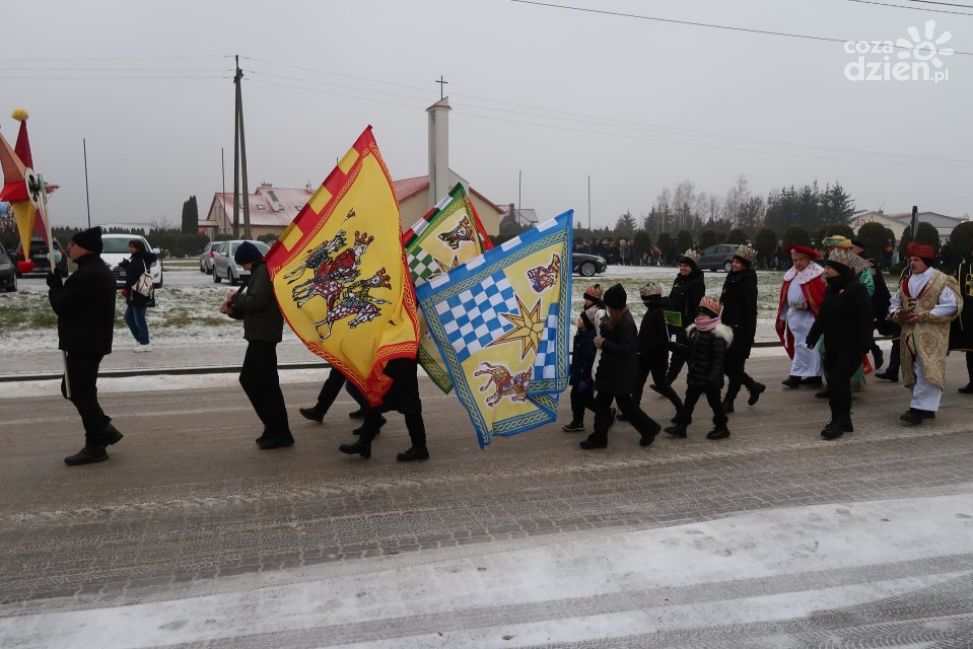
336	279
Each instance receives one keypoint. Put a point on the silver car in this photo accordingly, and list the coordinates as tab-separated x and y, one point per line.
223	265
206	257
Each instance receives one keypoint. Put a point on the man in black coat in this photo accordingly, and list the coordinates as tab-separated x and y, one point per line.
263	328
739	300
85	308
845	321
961	329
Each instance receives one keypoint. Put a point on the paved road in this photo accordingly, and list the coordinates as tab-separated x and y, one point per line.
190	537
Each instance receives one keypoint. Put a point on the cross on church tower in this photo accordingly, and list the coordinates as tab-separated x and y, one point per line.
442	86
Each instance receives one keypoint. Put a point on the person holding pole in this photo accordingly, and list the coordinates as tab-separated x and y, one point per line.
85	308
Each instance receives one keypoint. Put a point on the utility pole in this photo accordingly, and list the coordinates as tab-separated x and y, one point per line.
87	199
236	152
240	142
520	186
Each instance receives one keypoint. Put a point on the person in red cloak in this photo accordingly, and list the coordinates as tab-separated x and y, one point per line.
800	298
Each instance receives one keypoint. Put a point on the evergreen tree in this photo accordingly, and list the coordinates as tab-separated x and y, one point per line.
684	241
766	244
737	236
625	226
707	238
875	238
796	235
190	216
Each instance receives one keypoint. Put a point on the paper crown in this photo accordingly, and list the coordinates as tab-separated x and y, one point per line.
711	304
836	241
746	253
650	289
691	255
847	258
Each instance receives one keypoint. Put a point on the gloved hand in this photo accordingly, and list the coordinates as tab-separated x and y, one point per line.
811	341
583	386
54	280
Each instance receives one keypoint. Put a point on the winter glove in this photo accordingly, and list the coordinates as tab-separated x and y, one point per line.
54	281
811	342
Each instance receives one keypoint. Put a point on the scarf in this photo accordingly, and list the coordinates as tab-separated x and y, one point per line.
707	324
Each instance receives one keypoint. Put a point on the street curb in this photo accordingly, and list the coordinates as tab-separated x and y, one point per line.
114	374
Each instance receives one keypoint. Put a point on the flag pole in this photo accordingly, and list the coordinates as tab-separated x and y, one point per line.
50	258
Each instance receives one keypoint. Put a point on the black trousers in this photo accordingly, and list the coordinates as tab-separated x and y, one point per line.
969	365
261	382
332	387
82	371
644	424
838	373
413	423
679	355
658	367
735	368
581	399
693	393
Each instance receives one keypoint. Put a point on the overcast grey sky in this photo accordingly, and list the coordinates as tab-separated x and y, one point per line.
636	104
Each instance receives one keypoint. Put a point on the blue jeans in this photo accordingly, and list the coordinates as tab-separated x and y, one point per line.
135	319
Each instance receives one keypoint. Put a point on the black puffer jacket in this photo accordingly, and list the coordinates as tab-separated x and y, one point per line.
85	308
256	304
845	320
653	333
618	369
739	300
583	353
707	353
687	291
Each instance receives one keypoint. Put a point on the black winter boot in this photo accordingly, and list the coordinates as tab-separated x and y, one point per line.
720	432
755	389
87	455
412	454
361	447
357	414
677	430
314	414
381	422
110	435
834	429
792	381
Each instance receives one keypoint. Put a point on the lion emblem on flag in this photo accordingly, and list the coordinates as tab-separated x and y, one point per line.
462	232
503	383
544	277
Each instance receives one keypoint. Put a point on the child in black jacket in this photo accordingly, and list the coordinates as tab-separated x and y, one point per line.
583	359
708	340
654	346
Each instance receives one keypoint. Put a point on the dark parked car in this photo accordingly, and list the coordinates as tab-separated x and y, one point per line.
38	254
587	265
718	257
8	271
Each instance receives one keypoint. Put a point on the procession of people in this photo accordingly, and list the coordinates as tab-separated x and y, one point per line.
825	319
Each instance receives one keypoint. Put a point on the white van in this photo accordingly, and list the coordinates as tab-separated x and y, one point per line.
115	249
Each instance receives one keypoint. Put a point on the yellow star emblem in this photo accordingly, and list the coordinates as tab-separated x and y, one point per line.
528	328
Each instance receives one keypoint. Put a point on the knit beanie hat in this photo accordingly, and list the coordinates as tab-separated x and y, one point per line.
615	297
593	292
89	239
247	253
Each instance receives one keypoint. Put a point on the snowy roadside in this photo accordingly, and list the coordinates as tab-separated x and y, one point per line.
766	568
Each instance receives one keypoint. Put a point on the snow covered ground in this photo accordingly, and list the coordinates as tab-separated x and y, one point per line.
765	568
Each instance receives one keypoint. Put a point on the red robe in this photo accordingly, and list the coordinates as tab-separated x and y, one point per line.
813	290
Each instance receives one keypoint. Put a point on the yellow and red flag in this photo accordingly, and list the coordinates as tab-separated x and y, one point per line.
340	275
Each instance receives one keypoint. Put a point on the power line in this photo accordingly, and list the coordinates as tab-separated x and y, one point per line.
938	11
692	23
112	78
112	58
946	4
